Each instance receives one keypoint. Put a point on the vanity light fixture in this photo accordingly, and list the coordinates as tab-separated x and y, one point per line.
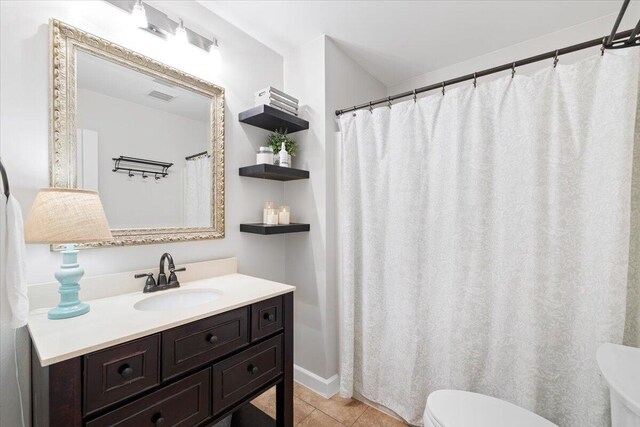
181	34
159	24
139	16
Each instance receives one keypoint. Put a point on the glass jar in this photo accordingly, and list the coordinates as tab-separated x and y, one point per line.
272	217
265	211
264	155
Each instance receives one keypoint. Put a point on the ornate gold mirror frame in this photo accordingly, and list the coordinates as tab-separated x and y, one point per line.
65	42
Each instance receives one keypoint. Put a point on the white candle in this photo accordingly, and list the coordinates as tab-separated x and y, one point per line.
272	217
284	215
265	210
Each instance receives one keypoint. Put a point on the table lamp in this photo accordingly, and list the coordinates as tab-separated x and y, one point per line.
67	216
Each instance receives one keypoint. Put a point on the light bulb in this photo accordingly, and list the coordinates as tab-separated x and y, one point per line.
181	33
138	15
214	52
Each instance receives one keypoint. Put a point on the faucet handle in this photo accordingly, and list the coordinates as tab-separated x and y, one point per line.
150	284
173	279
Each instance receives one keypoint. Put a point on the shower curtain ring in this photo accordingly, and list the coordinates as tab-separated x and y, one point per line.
370	107
513	70
443	88
475	80
555	59
389	101
354	110
604	40
414	96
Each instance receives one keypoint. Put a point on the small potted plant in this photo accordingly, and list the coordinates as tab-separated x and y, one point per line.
275	142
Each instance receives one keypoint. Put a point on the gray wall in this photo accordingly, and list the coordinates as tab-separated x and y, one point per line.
324	78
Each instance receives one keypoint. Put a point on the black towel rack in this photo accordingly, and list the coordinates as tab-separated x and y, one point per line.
161	171
5	180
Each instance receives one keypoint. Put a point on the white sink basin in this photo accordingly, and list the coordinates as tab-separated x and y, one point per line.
176	300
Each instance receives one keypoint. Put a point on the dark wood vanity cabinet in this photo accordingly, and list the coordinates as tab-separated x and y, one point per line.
191	375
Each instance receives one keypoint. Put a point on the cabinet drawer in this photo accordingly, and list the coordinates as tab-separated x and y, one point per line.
239	375
185	403
197	343
119	372
266	317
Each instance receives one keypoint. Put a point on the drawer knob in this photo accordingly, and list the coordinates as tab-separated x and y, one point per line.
125	371
270	317
157	420
253	369
212	338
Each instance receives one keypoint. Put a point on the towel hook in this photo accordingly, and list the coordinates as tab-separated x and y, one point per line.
443	88
555	59
513	70
475	80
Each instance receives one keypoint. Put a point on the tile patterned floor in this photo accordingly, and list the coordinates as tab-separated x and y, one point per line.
312	410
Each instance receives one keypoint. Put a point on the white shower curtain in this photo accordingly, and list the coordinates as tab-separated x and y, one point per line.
197	192
486	240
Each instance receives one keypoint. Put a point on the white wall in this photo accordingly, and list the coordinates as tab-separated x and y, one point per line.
549	42
322	77
129	129
247	66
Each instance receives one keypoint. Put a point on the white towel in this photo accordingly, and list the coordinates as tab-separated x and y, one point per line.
15	265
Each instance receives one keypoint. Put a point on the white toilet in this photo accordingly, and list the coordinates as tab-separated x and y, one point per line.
456	408
620	367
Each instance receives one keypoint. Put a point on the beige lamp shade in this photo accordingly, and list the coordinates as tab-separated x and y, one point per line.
62	215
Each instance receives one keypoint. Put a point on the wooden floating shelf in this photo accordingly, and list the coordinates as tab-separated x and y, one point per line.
267	117
277	173
259	228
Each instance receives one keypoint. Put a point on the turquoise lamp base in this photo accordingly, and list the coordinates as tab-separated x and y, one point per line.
69	275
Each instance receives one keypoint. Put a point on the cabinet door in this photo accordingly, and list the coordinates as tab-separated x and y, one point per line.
239	375
119	372
182	404
200	342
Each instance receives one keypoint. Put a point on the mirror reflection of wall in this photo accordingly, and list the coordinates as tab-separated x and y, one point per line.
123	112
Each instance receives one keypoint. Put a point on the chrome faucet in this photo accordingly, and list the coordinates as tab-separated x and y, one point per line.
163	283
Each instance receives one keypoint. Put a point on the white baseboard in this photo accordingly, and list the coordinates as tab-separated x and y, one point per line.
326	387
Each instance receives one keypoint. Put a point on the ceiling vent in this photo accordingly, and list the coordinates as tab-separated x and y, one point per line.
161	96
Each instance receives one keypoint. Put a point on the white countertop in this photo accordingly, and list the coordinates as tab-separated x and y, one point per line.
114	320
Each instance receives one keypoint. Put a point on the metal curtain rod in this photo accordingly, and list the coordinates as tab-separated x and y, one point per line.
510	66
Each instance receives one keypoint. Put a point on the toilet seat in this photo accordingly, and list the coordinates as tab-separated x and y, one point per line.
456	408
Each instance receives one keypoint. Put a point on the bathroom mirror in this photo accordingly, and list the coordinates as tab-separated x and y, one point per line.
149	138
